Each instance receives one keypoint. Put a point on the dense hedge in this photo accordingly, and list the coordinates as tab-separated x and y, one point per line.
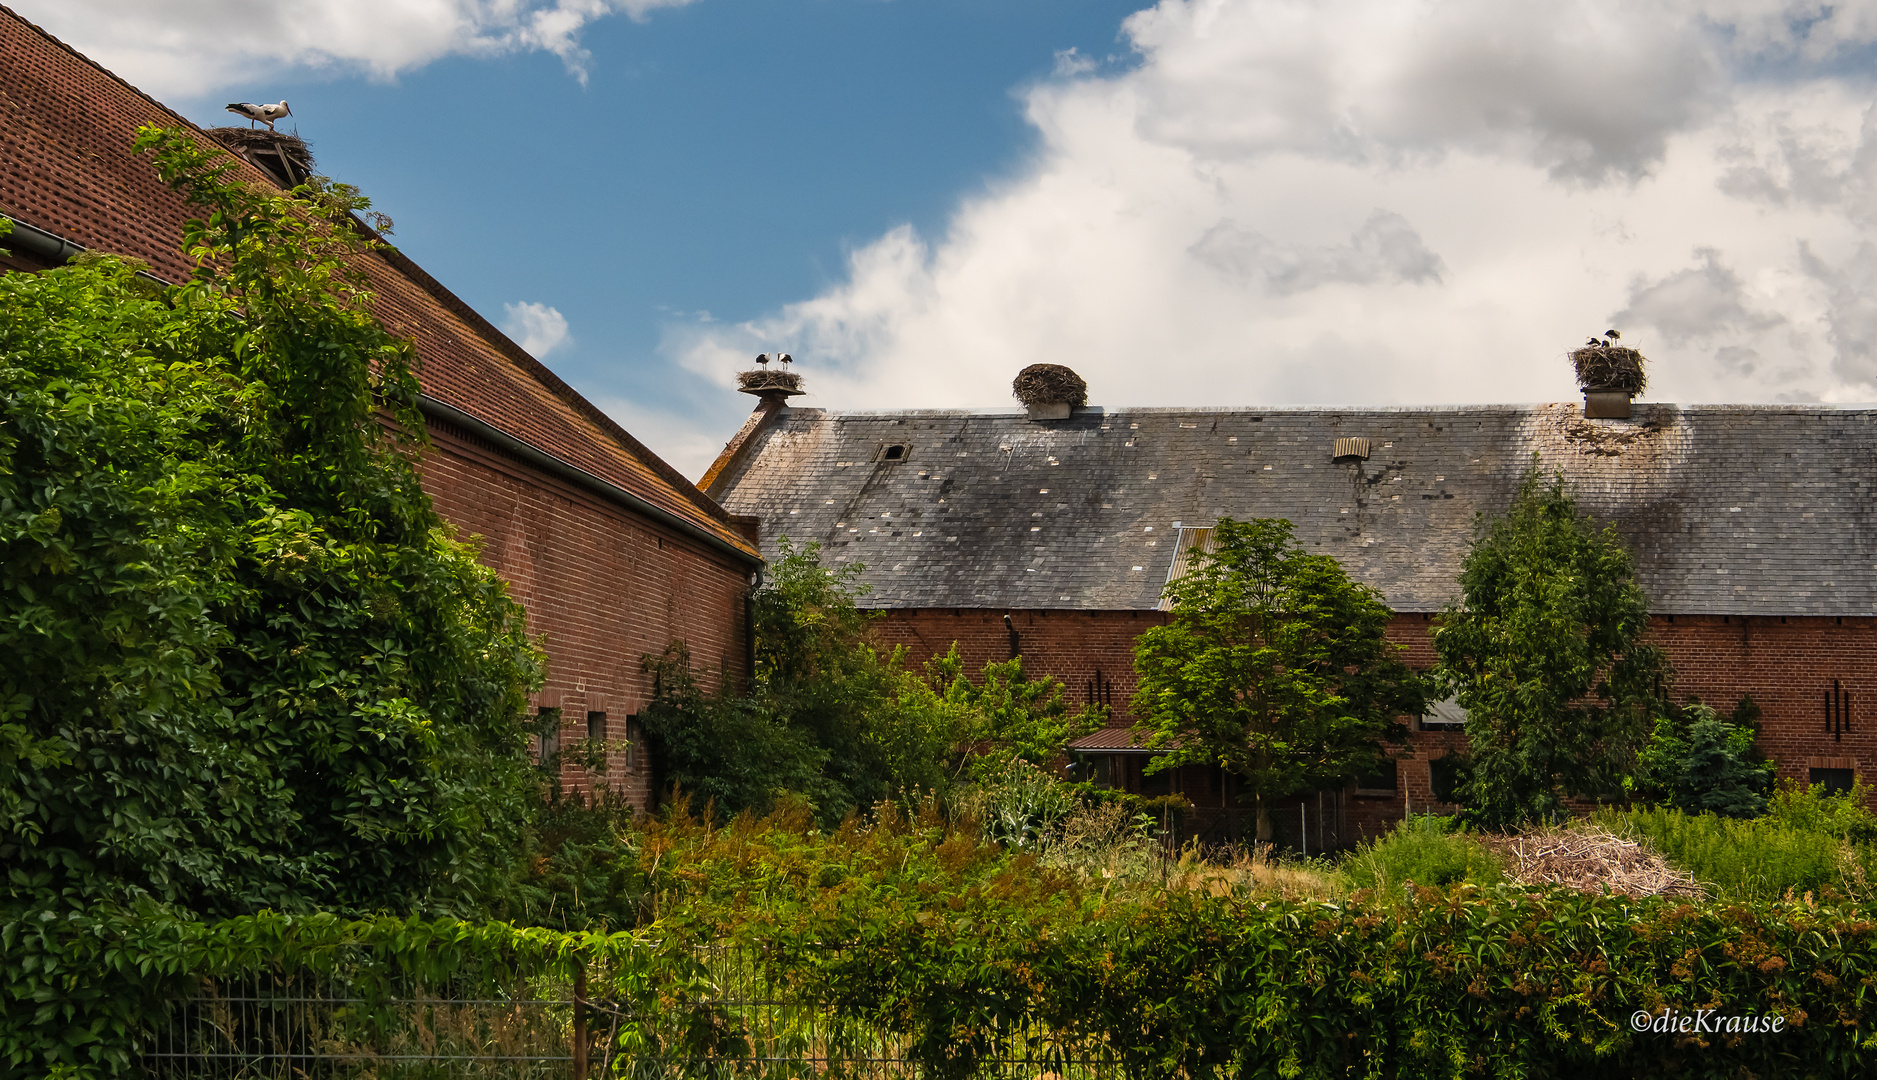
1469	983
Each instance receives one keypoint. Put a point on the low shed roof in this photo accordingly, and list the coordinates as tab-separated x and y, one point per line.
1729	509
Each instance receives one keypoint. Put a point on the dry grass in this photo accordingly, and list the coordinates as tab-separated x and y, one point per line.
1241	871
1590	859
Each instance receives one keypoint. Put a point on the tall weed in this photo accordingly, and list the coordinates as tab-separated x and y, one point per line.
1424	850
1807	842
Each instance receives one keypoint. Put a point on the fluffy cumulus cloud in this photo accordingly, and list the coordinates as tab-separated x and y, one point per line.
183	48
1374	201
537	328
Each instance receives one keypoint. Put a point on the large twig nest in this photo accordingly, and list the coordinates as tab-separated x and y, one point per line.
1590	860
764	379
1049	384
1610	367
249	139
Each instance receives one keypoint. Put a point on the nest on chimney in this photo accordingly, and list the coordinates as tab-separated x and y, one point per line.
764	379
1610	367
285	157
1049	384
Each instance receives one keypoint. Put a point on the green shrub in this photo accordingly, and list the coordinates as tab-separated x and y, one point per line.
1425	850
1808	841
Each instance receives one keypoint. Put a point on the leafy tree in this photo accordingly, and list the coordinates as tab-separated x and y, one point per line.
725	752
1273	665
1546	652
248	666
836	720
1700	763
1002	718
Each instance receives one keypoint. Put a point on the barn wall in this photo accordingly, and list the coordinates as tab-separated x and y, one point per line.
1786	663
602	585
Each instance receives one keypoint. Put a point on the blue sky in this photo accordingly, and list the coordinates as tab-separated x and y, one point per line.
1198	202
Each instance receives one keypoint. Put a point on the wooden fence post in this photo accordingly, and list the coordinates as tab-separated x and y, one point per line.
580	1019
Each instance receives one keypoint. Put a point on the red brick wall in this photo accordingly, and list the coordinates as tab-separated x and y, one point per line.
601	584
1074	646
1787	664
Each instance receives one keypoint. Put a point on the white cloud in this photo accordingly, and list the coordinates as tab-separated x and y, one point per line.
537	328
186	48
1392	201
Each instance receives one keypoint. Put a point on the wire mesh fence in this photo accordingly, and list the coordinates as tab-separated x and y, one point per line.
730	1018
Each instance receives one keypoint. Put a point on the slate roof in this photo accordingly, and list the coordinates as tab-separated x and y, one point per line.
1729	509
66	128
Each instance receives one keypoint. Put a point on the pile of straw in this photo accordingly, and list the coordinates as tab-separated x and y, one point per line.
1591	860
764	379
1609	367
1049	384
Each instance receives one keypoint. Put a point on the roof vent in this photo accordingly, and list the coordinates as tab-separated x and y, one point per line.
1351	450
1049	391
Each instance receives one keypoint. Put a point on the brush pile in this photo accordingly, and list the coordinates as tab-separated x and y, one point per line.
1610	367
1591	860
764	379
1049	384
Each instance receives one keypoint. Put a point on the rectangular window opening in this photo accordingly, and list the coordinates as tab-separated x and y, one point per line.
1836	781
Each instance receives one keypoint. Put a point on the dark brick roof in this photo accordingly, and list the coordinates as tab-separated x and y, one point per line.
1729	509
66	128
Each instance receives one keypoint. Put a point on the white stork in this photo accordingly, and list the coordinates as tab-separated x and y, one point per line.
266	114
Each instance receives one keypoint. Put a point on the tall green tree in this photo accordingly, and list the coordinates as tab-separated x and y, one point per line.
1547	652
1274	665
248	666
1700	763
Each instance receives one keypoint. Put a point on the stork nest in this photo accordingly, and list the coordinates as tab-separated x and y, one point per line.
1049	384
240	138
1610	367
764	379
1590	860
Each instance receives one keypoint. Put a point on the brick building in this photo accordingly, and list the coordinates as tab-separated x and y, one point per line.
612	552
1754	530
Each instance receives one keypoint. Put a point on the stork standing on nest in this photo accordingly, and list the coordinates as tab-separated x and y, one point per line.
266	114
786	360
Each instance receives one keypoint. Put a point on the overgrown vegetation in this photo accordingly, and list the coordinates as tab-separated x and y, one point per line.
1700	763
838	722
247	666
1273	665
1808	841
1547	653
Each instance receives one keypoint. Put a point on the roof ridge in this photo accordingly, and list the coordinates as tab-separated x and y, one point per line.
555	385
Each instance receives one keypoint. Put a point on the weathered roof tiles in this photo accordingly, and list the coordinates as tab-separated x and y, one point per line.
1729	509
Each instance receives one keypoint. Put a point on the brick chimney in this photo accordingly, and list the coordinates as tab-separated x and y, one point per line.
772	388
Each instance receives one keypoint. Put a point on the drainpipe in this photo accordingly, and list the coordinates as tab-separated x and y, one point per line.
50	247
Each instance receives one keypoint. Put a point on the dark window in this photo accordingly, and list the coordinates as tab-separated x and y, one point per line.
547	729
1447	773
893	453
596	726
1382	779
1835	780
